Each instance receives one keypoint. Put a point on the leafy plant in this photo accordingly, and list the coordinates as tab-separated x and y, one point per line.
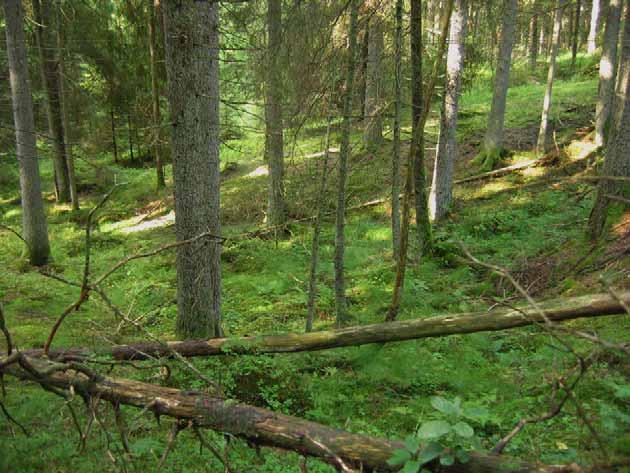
447	439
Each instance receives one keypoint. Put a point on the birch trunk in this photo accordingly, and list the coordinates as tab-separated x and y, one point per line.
592	34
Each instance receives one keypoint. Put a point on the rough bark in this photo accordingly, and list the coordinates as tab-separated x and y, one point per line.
34	227
543	133
344	152
192	58
274	146
155	93
616	162
592	34
492	147
576	32
396	129
607	67
441	194
45	32
534	41
256	425
558	310
373	122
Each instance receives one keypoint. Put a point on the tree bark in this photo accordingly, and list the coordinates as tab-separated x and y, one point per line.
130	135
592	34
535	40
441	194
576	32
34	227
112	118
256	425
543	134
49	66
192	58
155	93
616	162
274	152
344	152
492	148
373	122
396	128
607	69
558	310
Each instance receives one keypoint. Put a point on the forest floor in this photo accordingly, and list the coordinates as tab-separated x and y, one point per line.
535	231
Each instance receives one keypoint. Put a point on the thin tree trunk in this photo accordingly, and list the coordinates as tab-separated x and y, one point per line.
607	69
155	94
130	135
344	152
493	141
364	66
543	134
441	194
49	64
576	32
72	178
417	104
192	58
113	123
396	129
34	227
317	227
274	151
415	171
592	34
373	123
616	162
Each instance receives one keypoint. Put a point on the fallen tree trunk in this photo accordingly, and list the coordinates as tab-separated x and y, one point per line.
258	426
555	311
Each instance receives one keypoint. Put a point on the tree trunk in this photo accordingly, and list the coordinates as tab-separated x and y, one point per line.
441	194
344	152
364	65
616	162
592	34
317	227
543	134
258	426
34	227
607	67
396	128
49	63
534	41
419	327
192	58
113	123
130	135
72	178
155	94
576	32
373	123
492	149
274	152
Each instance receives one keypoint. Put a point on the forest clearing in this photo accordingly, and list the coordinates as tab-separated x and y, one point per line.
358	235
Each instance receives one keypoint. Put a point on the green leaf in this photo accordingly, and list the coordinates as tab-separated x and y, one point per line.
434	429
462	455
447	459
399	457
443	405
463	430
430	451
412	443
411	467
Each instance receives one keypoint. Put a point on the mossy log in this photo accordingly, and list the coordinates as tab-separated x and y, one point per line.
256	425
558	310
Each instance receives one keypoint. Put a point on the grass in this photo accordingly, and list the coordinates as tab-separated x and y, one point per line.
380	390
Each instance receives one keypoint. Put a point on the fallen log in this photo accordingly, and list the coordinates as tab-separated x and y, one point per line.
256	425
558	310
